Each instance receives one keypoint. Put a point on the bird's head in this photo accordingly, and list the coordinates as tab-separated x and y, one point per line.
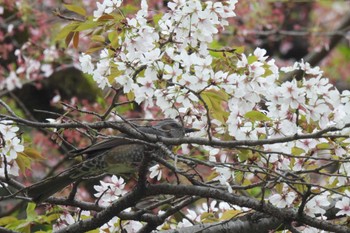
173	129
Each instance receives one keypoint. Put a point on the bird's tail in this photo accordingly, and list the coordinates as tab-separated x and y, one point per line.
42	190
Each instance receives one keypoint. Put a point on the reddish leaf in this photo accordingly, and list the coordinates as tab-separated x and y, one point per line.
76	40
69	38
77	9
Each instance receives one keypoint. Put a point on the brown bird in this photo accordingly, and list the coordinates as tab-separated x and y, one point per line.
114	156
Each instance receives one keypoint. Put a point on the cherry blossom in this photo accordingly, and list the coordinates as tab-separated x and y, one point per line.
12	169
303	66
283	200
110	191
306	144
156	171
343	205
64	220
67	219
107	6
11	82
225	174
317	205
7	130
209	208
132	226
111	226
86	64
12	147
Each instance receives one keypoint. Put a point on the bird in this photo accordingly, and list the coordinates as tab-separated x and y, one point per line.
120	156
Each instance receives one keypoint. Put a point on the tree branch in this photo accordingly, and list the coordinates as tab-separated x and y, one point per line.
285	214
246	224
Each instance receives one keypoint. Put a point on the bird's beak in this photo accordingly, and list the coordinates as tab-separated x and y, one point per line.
190	130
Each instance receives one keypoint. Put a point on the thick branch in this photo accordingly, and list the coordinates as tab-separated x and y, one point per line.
245	224
285	215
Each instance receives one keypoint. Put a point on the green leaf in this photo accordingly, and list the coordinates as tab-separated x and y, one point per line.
243	155
279	187
52	217
31	214
240	49
131	96
113	38
23	162
300	187
214	100
215	44
156	18
32	153
76	9
7	220
297	151
130	9
87	25
255	192
252	59
219	95
256	116
66	30
98	38
23	226
323	146
93	231
267	71
229	214
208	217
94	48
345	51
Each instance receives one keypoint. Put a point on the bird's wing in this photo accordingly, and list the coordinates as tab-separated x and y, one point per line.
102	146
107	144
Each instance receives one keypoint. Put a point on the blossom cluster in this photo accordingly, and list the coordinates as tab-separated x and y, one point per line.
67	219
30	58
108	192
9	147
169	66
114	225
29	68
187	24
198	214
